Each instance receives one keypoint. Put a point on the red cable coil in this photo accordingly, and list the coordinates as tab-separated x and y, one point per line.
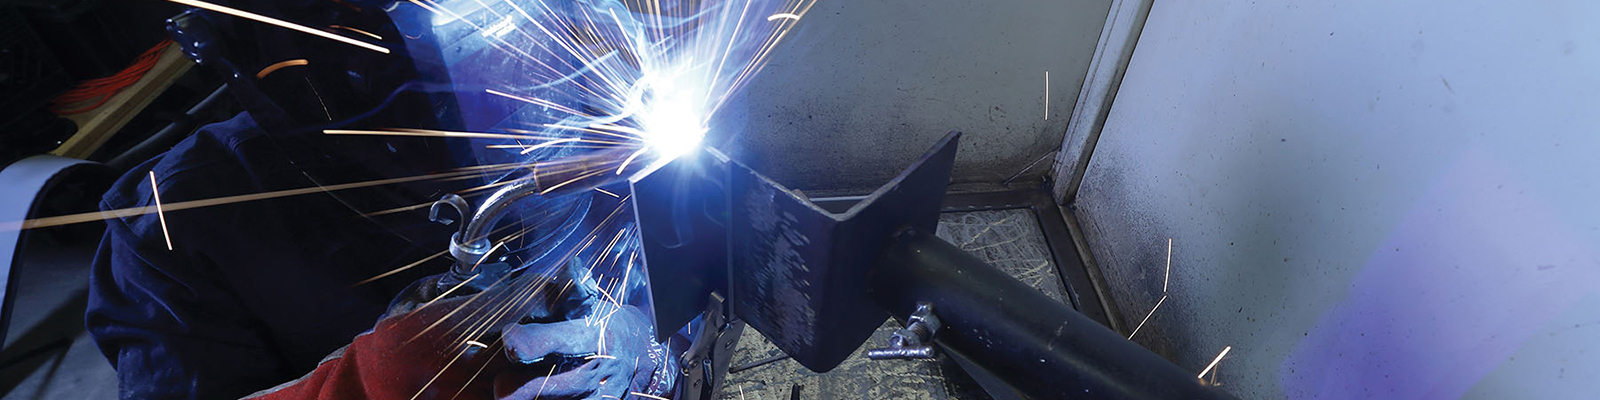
101	89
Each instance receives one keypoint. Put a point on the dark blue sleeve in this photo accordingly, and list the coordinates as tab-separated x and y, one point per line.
168	320
171	332
253	293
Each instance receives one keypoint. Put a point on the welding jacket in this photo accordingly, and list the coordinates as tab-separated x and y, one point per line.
251	294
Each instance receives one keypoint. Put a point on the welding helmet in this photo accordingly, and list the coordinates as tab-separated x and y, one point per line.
413	74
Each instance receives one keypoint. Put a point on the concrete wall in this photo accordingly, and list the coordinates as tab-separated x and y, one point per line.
1367	199
865	87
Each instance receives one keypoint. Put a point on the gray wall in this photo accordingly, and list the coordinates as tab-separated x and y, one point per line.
1389	199
867	86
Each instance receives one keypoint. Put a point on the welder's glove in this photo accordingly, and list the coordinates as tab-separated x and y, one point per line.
417	355
611	354
413	355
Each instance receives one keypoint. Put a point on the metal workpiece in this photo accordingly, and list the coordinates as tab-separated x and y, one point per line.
913	342
818	284
789	269
681	209
1037	346
797	273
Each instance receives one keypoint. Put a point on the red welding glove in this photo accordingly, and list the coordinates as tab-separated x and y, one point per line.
403	357
411	356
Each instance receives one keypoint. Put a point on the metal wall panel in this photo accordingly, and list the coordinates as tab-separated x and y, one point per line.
862	88
1367	199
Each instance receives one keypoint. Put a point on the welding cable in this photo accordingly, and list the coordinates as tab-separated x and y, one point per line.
170	135
100	90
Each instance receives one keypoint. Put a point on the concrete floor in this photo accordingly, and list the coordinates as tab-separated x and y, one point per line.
48	314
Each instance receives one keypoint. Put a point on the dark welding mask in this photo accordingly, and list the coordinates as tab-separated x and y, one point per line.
305	90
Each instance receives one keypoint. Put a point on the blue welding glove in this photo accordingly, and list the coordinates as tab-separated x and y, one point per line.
610	353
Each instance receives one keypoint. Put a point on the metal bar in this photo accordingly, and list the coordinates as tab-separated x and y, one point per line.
1034	344
1076	276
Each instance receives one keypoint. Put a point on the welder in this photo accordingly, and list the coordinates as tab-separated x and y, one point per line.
260	298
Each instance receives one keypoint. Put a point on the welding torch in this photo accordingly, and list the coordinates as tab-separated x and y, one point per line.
470	245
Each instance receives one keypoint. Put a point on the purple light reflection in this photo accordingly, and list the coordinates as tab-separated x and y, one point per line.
1477	266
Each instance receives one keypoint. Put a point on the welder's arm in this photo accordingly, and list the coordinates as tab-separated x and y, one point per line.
402	358
420	355
171	331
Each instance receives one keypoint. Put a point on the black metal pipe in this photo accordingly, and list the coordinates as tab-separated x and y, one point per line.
1036	345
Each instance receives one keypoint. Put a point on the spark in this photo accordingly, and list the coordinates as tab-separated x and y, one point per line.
477	343
526	293
448	292
374	36
281	65
1168	277
545	383
570	181
474	300
607	295
626	271
398	270
159	214
534	101
648	396
628	161
434	133
631	133
135	211
530	149
519	147
1047	95
486	362
441	371
600	356
1214	362
280	23
1147	316
620	134
663	80
651	76
486	255
398	209
484	325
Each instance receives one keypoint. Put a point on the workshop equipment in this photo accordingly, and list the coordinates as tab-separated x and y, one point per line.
817	284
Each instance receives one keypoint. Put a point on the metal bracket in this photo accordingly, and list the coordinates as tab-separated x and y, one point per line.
790	269
913	342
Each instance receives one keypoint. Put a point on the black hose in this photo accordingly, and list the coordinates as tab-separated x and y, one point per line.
1036	345
166	137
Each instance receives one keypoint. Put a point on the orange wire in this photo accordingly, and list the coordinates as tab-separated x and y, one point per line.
101	89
